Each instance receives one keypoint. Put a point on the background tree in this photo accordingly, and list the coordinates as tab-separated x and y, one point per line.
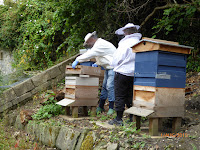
41	32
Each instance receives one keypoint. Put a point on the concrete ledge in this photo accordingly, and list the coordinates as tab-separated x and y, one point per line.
41	78
42	87
5	106
23	97
23	87
8	95
26	89
53	71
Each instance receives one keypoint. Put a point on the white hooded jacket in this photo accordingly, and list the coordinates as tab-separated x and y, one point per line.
102	51
124	59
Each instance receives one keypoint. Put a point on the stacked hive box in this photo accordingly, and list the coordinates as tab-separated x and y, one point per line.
81	88
159	81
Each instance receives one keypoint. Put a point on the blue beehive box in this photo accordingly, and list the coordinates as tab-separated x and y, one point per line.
160	69
160	64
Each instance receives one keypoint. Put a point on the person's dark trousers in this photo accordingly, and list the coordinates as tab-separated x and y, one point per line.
123	93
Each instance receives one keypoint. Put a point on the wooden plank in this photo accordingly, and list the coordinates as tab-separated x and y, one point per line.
102	73
70	86
70	70
176	124
67	110
137	120
172	111
85	110
145	46
153	126
167	97
144	88
159	40
85	103
75	111
143	104
138	111
175	49
82	92
65	102
93	111
91	81
148	46
146	96
84	70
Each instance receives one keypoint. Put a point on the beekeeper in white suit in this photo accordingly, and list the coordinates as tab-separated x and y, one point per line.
102	51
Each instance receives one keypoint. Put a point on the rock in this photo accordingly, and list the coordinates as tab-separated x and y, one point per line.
100	144
89	141
10	119
112	146
18	123
67	138
81	138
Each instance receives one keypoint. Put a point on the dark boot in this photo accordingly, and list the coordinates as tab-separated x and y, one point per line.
118	120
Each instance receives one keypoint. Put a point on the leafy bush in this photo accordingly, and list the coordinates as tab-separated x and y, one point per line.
180	23
40	32
50	109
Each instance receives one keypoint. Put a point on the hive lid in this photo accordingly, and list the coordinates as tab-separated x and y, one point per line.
156	44
65	102
139	111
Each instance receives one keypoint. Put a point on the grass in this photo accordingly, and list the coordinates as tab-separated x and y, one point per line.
11	141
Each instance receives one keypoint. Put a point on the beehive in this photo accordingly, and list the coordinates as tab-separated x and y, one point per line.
159	80
81	88
84	90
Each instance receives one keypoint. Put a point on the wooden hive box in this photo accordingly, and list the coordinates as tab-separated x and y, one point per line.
83	70
163	102
84	90
86	70
159	81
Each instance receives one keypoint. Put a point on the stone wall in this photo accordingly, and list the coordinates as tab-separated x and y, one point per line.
64	137
25	90
6	60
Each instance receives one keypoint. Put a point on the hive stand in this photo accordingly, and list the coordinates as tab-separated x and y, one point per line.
159	82
81	90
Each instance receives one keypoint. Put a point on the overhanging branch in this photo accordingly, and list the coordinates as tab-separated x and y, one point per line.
160	8
154	11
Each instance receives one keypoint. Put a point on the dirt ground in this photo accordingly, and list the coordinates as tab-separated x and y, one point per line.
187	139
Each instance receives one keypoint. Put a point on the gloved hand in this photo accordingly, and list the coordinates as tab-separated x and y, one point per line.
74	64
94	65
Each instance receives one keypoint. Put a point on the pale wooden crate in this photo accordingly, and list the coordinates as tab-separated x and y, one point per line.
82	92
84	70
71	81
165	102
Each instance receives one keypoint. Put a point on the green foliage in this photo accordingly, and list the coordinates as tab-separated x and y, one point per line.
180	23
139	145
130	129
41	31
8	141
50	109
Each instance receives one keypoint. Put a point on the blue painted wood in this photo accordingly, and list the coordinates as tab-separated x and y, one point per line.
160	69
87	63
